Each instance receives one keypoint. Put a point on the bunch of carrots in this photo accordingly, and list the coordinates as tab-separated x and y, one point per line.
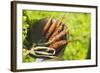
54	31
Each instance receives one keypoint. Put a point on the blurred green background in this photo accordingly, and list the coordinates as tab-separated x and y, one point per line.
79	25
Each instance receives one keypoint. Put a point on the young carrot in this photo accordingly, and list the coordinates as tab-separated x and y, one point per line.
47	25
59	29
60	21
51	29
58	44
58	36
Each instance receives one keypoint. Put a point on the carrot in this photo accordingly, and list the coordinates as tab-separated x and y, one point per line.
51	29
58	44
57	31
61	19
57	37
47	25
58	28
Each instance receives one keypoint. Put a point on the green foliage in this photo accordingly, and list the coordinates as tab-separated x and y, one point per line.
27	58
79	27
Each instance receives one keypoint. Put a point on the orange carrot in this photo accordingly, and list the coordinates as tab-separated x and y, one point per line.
58	27
61	19
57	37
51	29
58	44
47	25
57	31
